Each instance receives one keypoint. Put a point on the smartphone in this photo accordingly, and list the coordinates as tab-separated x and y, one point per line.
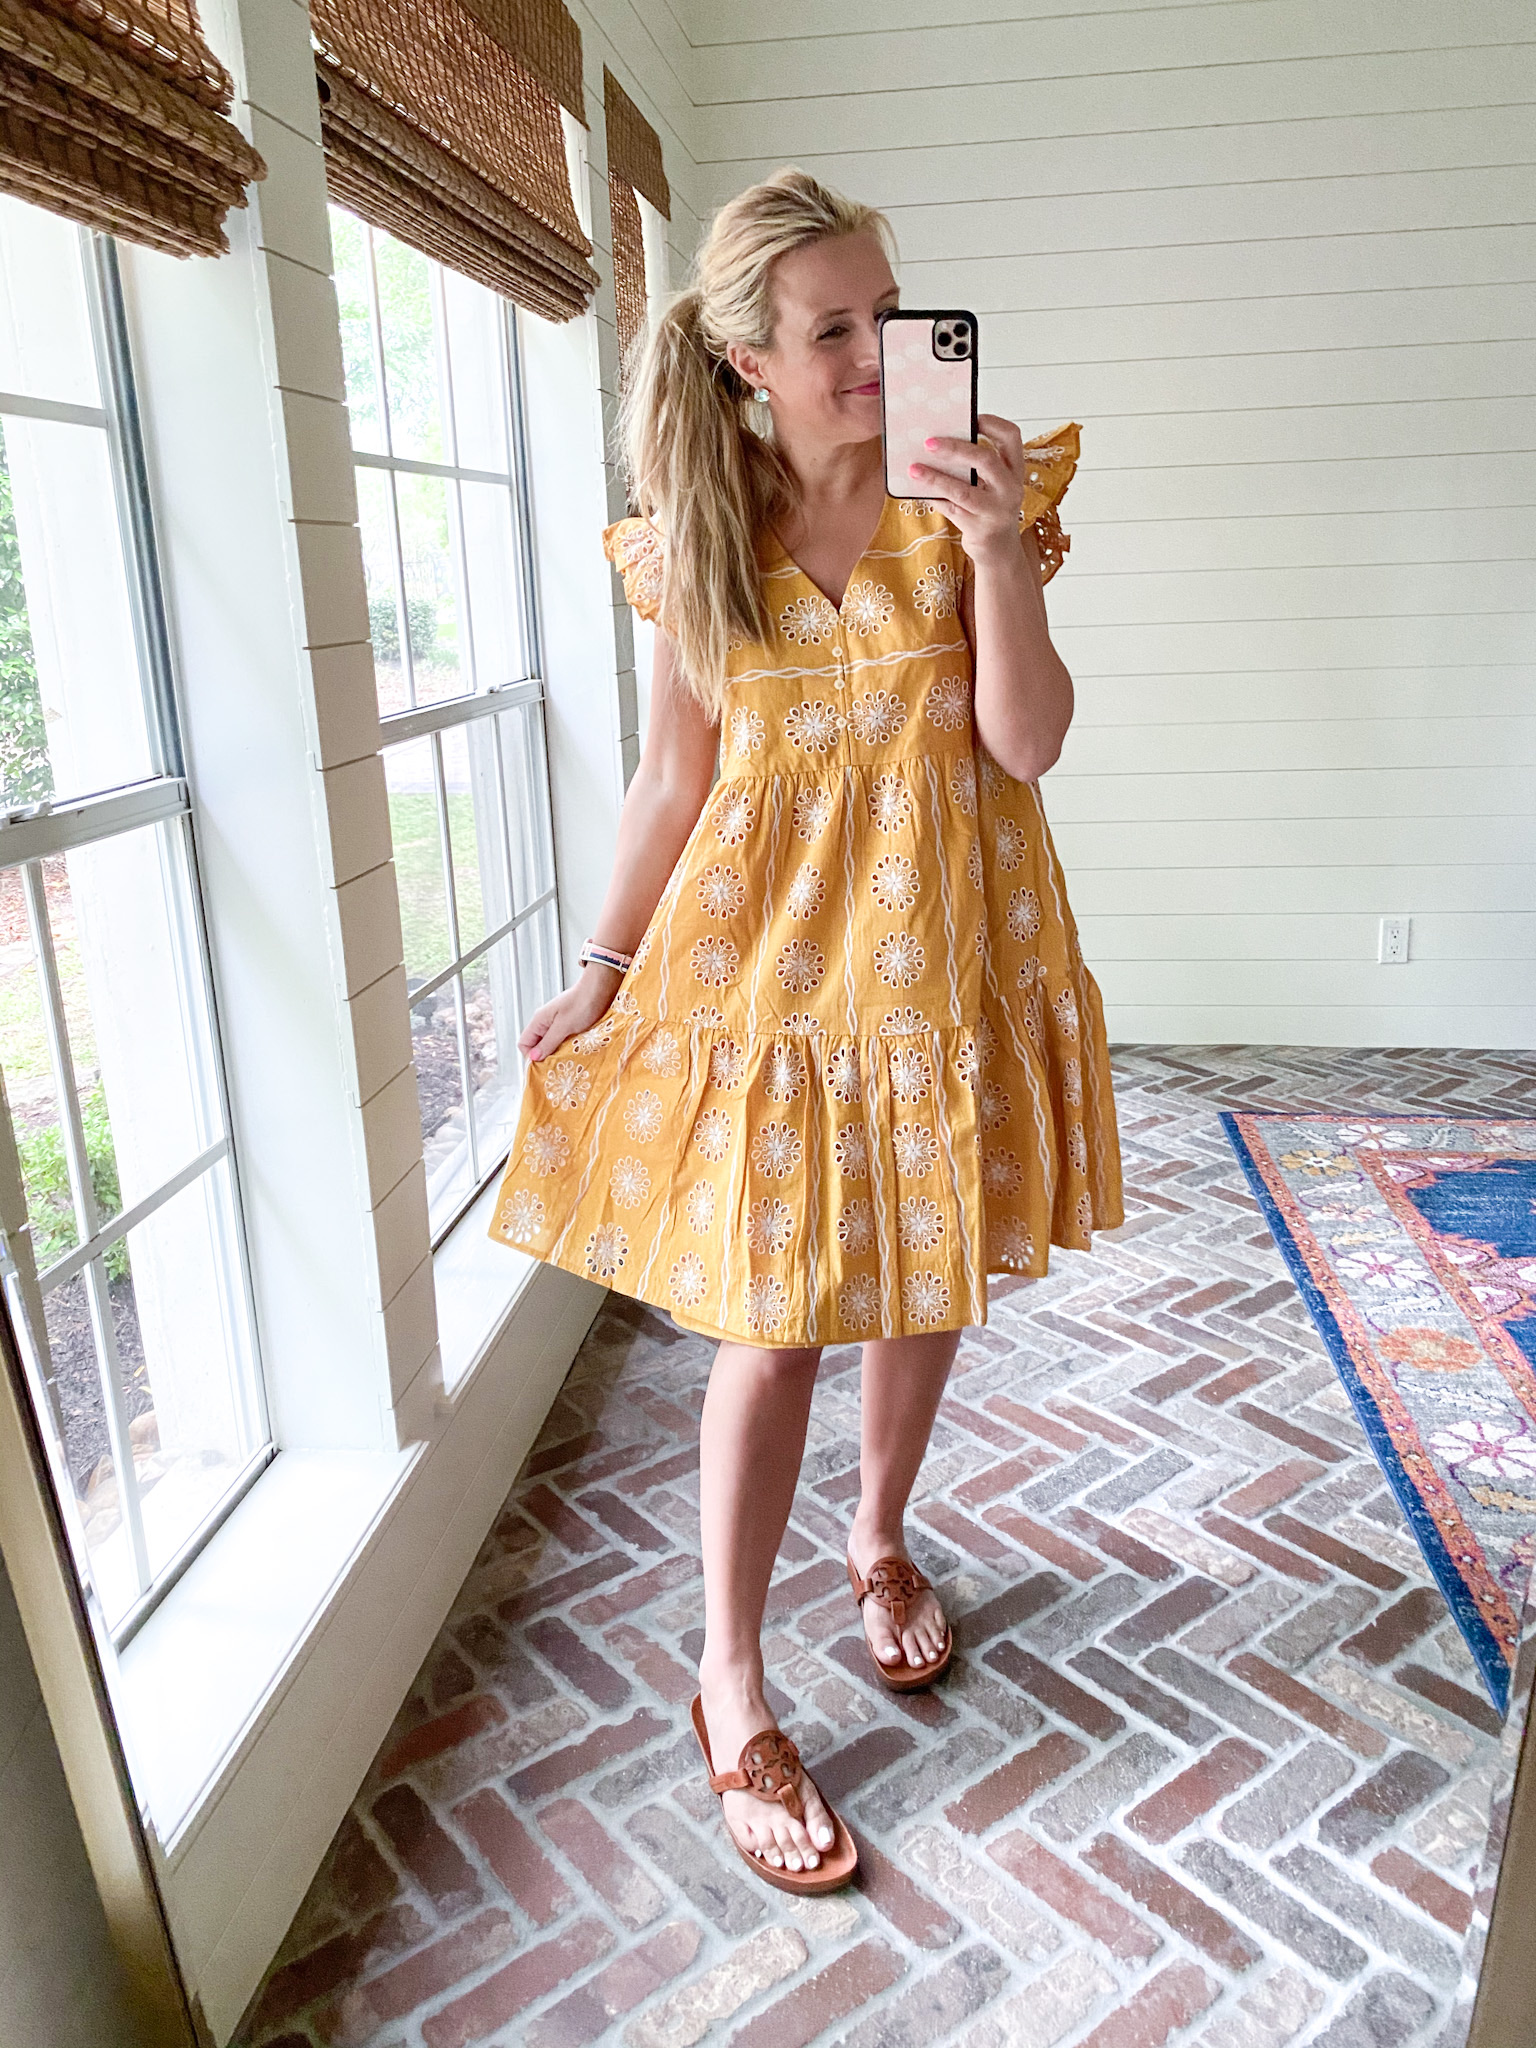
927	386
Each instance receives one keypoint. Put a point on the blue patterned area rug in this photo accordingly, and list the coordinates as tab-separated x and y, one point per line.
1413	1242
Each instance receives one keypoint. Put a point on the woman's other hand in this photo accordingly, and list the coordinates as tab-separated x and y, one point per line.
576	1008
987	511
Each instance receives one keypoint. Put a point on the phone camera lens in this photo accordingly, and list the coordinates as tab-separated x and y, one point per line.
962	327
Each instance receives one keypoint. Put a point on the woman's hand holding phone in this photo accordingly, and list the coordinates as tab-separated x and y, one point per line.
987	511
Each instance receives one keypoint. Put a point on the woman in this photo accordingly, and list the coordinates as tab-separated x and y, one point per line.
838	1058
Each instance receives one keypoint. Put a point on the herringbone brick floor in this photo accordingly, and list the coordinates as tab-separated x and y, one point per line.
1212	1766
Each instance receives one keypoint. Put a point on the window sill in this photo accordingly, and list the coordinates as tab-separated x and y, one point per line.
479	1284
210	1666
229	1638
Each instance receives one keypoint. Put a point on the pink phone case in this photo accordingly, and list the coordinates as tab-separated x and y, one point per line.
924	392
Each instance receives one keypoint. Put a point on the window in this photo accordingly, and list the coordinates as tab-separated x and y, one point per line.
131	1300
435	401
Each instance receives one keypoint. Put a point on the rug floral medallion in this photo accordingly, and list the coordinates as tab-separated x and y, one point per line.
1413	1242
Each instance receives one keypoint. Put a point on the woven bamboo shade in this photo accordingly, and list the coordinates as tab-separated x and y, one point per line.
544	36
628	266
437	130
634	147
113	112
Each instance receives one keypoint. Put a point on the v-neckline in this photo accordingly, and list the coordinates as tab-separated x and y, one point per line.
868	550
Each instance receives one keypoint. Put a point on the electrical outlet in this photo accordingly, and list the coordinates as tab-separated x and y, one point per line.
1392	947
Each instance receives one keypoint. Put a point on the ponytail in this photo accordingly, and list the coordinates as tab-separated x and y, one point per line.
698	461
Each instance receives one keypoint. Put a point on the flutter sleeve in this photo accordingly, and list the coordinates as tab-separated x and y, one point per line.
1049	463
635	548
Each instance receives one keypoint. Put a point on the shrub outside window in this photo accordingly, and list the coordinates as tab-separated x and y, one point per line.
434	395
121	1252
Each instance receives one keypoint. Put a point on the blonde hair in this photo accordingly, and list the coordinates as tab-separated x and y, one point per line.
697	449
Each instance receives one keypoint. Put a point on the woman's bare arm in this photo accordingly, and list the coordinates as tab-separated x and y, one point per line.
661	808
1024	696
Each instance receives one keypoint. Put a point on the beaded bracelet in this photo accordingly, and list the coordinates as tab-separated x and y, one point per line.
605	956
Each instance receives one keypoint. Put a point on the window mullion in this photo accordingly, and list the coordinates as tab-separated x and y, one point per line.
130	474
87	1220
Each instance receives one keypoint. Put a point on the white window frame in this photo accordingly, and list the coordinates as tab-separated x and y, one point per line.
482	700
31	833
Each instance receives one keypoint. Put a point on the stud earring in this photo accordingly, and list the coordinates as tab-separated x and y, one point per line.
763	397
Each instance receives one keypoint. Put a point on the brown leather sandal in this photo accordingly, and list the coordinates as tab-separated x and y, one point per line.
894	1582
770	1770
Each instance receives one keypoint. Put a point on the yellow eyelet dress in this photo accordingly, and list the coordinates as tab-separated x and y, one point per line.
858	1063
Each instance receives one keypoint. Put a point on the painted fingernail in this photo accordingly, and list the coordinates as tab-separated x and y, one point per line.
930	442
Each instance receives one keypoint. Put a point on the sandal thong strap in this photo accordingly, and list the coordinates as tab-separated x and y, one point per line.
769	1769
894	1582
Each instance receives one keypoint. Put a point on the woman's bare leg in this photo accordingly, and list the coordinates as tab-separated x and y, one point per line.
751	1442
901	1386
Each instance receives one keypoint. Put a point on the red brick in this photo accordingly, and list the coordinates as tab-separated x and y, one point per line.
1003	1478
1275	1555
1178	1378
356	1875
1333	1552
1007	1610
559	1644
1215	1296
1095	1424
977	1422
510	1990
659	1474
553	1456
841	1772
1171	1809
1267	1298
358	2013
1071	1895
560	1518
1308	1705
451	1678
598	1466
625	1522
842	1485
334	1963
561	1766
446	1731
651	1664
1242	1379
971	1536
1288	1433
438	1864
893	1894
1138	1557
590	2010
812	2008
1201	1925
1032	1535
1385	1639
1158	2011
1166	1615
801	1588
928	1708
1045	1426
580	1835
564	1586
1444	1902
1000	1791
1043	1682
518	1862
629	1595
1142	1335
1429	1685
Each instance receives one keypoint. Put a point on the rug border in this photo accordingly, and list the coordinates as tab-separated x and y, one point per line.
1480	1640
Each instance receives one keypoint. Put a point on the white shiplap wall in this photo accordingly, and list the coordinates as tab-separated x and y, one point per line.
1277	257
